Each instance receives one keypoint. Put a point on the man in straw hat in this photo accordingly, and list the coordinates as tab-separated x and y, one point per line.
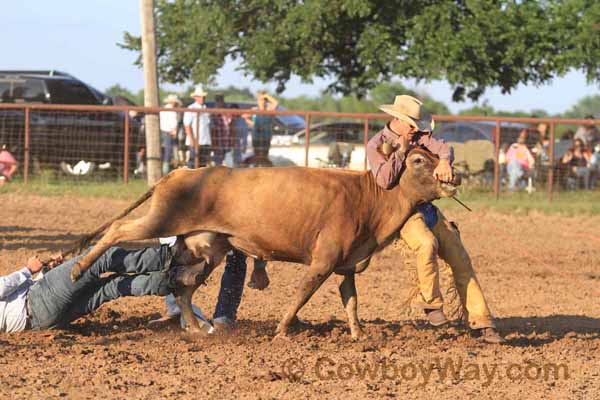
427	231
197	129
168	130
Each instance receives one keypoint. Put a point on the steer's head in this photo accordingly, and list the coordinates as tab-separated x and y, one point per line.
417	180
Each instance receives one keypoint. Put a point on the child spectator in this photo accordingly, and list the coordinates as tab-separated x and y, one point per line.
8	165
519	161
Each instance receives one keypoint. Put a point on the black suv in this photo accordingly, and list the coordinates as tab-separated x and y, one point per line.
58	136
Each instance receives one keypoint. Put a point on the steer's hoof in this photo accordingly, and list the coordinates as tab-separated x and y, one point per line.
282	337
491	336
358	335
75	272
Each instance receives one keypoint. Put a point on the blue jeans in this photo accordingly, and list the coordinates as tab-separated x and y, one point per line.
167	144
515	173
429	212
232	286
55	301
203	156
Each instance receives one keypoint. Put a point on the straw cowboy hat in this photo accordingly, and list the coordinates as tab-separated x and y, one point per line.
172	98
199	92
410	110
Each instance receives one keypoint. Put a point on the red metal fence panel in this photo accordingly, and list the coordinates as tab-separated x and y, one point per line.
83	143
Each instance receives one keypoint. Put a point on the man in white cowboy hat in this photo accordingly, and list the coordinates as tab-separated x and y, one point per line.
197	132
427	231
168	130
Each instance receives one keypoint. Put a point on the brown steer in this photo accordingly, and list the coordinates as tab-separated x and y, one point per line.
332	220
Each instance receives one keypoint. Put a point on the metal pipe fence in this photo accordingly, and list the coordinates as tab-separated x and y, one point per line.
84	143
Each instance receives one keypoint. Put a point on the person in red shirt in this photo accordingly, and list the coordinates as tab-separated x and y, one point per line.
8	165
519	161
427	231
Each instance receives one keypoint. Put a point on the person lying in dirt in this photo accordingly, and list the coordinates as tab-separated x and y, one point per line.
52	300
427	231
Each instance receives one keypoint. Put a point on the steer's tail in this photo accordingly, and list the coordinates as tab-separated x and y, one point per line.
87	239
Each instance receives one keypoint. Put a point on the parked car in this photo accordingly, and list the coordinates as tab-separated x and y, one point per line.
62	137
473	142
332	144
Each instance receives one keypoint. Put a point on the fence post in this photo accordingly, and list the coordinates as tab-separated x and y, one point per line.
366	140
306	138
551	171
26	155
497	160
197	136
126	148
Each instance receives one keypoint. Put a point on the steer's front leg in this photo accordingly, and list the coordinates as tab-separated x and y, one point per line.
350	301
317	273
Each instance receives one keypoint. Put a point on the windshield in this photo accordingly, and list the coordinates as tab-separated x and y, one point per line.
290	120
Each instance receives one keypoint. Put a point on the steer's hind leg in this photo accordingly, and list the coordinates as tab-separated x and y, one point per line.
119	231
317	273
350	301
183	297
188	280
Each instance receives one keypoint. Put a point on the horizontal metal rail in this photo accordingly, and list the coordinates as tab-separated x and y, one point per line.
437	117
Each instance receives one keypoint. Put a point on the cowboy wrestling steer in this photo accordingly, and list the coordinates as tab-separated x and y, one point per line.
331	220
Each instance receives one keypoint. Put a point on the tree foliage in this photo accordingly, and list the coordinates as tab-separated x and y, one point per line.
589	105
473	44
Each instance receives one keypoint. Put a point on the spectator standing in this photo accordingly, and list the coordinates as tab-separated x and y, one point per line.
262	125
168	131
240	133
197	129
220	131
588	133
8	165
577	162
519	161
595	166
541	152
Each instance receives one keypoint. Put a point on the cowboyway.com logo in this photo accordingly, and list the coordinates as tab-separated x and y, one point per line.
325	368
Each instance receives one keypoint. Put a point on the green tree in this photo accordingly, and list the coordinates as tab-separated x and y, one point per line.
472	44
118	90
589	105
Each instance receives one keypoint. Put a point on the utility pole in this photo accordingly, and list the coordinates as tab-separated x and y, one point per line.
150	90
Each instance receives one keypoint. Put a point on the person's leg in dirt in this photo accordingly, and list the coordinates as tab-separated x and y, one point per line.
452	250
232	287
417	235
115	286
55	293
230	294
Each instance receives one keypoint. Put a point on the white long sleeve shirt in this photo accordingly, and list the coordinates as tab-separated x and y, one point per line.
13	300
189	119
168	119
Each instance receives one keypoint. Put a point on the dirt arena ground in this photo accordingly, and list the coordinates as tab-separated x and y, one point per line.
541	275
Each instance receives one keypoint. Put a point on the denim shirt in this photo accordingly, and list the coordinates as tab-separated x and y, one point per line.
13	300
